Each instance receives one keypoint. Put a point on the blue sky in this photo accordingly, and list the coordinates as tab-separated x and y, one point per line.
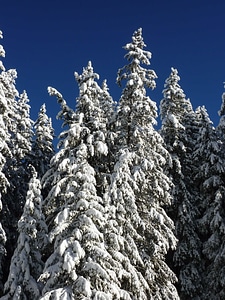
47	40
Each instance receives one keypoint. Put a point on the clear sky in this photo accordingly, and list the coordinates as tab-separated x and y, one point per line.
47	40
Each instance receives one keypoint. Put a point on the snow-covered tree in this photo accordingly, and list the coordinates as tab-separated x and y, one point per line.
42	147
210	175
4	153
24	128
19	126
108	106
26	264
79	266
221	126
96	106
142	232
20	143
179	132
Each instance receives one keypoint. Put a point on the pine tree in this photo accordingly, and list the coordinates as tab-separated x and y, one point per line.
179	133
42	146
139	188
26	264
79	265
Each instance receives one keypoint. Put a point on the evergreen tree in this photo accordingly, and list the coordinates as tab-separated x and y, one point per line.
26	264
4	153
42	146
79	266
211	179
139	188
179	133
24	129
221	126
19	126
108	106
96	106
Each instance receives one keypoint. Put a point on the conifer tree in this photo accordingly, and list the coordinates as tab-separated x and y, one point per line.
139	188
42	146
21	142
178	132
108	106
210	176
221	126
19	125
79	265
4	153
24	129
96	106
26	264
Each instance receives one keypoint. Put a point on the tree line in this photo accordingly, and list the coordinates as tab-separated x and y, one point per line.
121	210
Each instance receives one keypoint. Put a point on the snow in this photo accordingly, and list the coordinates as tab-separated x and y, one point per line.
53	92
101	148
83	286
62	216
2	51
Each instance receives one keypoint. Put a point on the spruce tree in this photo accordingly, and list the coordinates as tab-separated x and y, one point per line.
4	153
79	265
26	264
179	133
19	126
108	106
209	154
42	145
139	188
96	107
221	126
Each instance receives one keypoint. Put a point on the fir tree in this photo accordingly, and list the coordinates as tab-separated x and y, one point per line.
91	103
221	126
139	188
210	177
4	153
26	264
179	133
108	106
79	266
24	128
19	125
42	146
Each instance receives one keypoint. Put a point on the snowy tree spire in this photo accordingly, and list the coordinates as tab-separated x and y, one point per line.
137	56
88	100
26	264
178	132
135	107
135	204
2	53
210	178
80	263
221	112
42	148
221	126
